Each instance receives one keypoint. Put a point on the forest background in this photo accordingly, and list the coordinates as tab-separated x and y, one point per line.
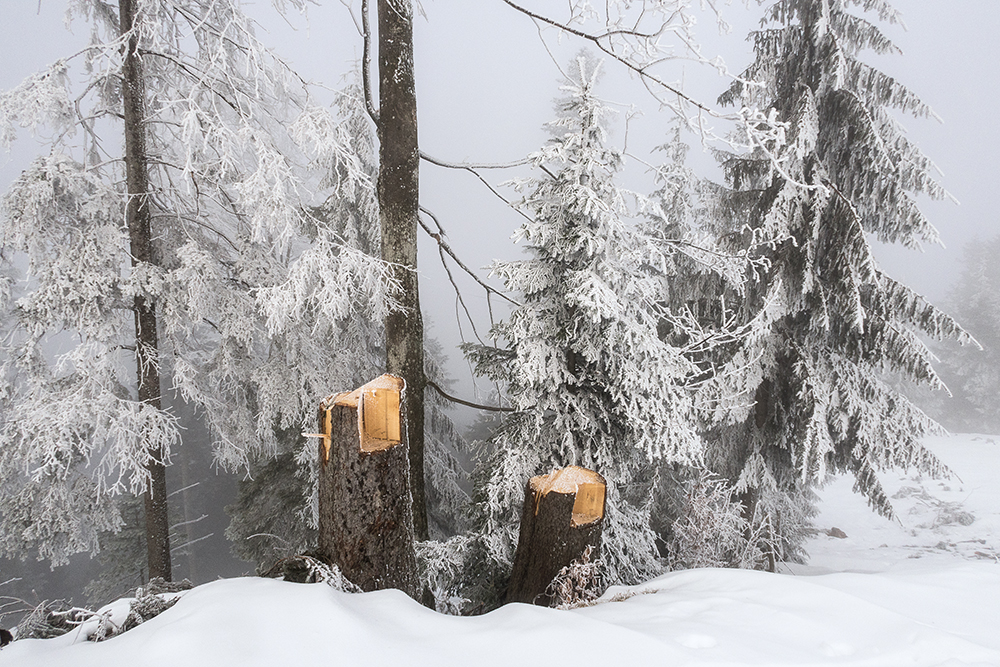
481	98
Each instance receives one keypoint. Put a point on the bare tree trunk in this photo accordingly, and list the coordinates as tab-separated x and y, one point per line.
365	511
563	514
140	236
398	196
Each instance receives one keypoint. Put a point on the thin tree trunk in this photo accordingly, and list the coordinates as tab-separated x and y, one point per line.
398	195
137	215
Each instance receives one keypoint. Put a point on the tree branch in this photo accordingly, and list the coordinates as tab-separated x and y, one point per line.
447	248
366	61
453	399
471	168
596	41
468	166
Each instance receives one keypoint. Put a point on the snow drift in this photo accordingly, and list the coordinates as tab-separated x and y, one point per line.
923	590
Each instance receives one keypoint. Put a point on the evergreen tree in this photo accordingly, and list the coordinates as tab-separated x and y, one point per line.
973	375
252	294
591	381
830	164
704	284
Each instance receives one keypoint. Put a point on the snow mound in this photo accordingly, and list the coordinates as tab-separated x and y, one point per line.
922	591
696	617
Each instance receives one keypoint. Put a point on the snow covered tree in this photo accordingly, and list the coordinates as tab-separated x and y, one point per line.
591	381
704	284
830	165
275	513
973	375
253	295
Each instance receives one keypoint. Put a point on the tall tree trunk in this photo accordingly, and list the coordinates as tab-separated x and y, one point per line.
137	216
398	195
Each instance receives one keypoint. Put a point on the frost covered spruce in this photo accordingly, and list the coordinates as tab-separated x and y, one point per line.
592	383
190	258
838	166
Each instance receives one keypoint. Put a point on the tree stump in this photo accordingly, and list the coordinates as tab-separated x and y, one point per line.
365	508
563	514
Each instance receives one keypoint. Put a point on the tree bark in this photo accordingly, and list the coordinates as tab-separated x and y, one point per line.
563	514
398	196
137	215
365	509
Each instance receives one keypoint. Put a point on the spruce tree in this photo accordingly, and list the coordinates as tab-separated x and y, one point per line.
830	167
591	381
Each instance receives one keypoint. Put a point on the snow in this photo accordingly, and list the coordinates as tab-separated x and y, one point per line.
923	590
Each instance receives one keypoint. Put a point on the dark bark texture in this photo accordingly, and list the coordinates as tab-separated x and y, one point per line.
549	541
398	196
365	512
138	218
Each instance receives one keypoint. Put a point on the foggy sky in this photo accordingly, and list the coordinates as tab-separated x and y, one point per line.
486	83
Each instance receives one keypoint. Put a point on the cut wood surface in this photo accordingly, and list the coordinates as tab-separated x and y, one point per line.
365	510
379	412
586	486
563	514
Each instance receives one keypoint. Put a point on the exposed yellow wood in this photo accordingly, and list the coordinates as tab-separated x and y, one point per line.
347	399
327	433
589	504
381	414
379	417
588	487
326	407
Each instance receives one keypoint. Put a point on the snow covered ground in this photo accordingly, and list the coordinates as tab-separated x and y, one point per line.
921	591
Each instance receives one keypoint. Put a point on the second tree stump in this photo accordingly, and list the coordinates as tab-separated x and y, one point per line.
563	514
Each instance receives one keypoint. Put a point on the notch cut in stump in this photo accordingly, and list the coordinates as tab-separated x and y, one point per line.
365	510
563	514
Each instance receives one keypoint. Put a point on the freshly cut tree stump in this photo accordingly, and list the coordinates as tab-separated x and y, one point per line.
365	508
563	514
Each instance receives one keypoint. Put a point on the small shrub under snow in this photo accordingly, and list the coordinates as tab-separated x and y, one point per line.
712	530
